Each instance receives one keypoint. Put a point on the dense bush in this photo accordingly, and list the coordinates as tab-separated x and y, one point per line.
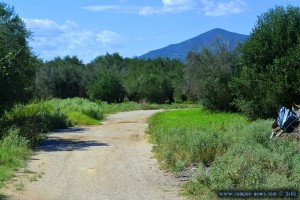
78	109
17	62
60	78
107	87
270	74
207	75
35	118
13	153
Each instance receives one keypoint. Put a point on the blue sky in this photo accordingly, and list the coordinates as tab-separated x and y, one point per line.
89	28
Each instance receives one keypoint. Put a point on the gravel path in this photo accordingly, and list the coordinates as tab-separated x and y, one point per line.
111	161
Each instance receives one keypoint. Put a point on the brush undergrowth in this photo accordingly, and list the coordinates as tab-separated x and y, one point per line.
13	153
40	117
238	152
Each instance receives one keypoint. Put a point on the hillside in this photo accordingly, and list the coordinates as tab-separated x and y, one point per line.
196	44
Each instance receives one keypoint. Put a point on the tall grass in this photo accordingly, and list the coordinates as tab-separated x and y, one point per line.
41	117
13	153
238	152
78	111
33	119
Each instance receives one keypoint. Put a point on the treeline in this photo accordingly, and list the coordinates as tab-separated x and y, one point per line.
255	79
111	78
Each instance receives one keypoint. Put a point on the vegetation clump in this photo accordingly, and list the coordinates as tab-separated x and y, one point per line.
237	152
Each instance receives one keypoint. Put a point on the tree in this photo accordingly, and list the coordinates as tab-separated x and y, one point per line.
156	81
103	78
61	78
17	62
107	87
207	76
270	74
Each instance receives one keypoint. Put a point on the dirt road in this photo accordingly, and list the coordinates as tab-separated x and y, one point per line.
111	161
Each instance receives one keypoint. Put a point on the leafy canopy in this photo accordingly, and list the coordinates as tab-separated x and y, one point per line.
17	63
270	74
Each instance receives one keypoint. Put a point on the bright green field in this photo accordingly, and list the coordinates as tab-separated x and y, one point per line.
238	152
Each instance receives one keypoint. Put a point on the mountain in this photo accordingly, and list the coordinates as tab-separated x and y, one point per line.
196	44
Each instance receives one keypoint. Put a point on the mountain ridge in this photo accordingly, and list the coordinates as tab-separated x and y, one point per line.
196	44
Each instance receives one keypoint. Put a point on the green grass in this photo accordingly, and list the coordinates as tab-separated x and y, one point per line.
184	137
40	117
239	153
129	106
13	153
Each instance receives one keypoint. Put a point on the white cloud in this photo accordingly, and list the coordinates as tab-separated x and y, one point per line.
224	8
148	10
52	40
110	38
102	8
176	2
209	7
169	6
112	8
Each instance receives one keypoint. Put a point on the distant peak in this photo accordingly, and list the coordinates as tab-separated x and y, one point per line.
196	44
217	30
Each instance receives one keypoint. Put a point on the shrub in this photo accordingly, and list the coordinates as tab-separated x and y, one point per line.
270	73
13	152
80	105
33	119
207	75
107	87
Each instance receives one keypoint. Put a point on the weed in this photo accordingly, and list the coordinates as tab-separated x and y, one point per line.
13	153
239	153
20	186
35	177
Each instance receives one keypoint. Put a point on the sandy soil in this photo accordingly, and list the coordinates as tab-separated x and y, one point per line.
111	161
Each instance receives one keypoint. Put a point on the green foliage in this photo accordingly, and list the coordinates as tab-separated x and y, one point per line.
60	78
191	136
13	153
107	87
103	78
35	118
17	63
207	75
155	81
78	111
111	78
270	74
239	154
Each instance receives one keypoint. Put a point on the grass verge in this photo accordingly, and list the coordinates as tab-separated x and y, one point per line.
237	152
13	154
